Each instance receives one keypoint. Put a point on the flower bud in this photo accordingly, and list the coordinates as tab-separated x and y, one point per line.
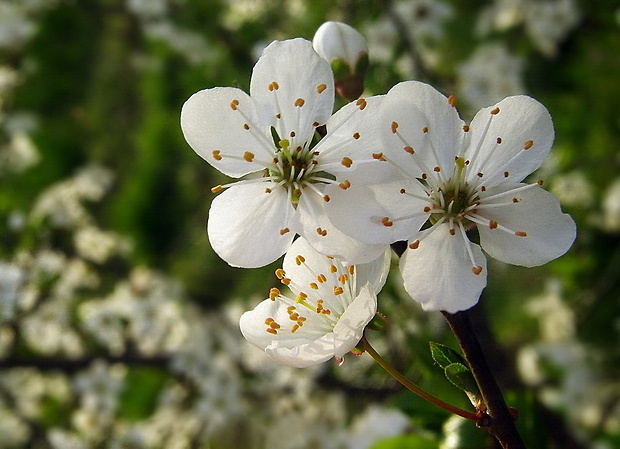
346	51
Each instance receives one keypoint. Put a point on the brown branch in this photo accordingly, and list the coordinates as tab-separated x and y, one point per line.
502	424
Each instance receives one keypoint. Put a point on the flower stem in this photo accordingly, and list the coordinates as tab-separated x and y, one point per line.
502	423
414	388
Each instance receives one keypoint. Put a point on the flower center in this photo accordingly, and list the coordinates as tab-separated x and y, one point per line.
294	168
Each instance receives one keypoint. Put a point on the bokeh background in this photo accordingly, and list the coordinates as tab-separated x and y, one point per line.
118	323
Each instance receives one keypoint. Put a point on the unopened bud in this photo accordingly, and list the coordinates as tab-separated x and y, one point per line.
346	51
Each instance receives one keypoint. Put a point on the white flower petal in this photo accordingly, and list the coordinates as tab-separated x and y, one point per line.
345	336
299	74
550	233
329	240
252	323
415	115
245	225
217	131
351	132
350	327
438	274
305	269
361	210
521	122
303	355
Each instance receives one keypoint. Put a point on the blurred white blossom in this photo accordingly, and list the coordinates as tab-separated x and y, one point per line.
573	189
490	74
611	207
547	22
374	424
11	280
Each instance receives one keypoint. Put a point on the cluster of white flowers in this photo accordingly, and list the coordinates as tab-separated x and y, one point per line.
567	373
397	167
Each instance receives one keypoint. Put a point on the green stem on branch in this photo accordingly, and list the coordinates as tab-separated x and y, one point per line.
502	422
414	388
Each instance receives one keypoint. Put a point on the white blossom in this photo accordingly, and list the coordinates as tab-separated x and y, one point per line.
454	178
337	40
253	221
332	304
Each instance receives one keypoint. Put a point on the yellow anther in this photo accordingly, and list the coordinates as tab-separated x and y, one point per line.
452	101
300	102
274	325
267	190
286	281
273	86
246	126
326	198
302	295
528	144
248	156
272	331
333	269
521	234
294	328
344	185
268	321
361	103
321	279
385	221
494	112
299	259
425	129
216	155
322	232
234	104
216	188
346	161
394	127
351	269
280	273
314	286
321	88
492	224
379	157
274	293
437	169
343	278
338	290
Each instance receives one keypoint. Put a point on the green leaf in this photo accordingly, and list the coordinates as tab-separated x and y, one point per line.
406	442
445	356
461	376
